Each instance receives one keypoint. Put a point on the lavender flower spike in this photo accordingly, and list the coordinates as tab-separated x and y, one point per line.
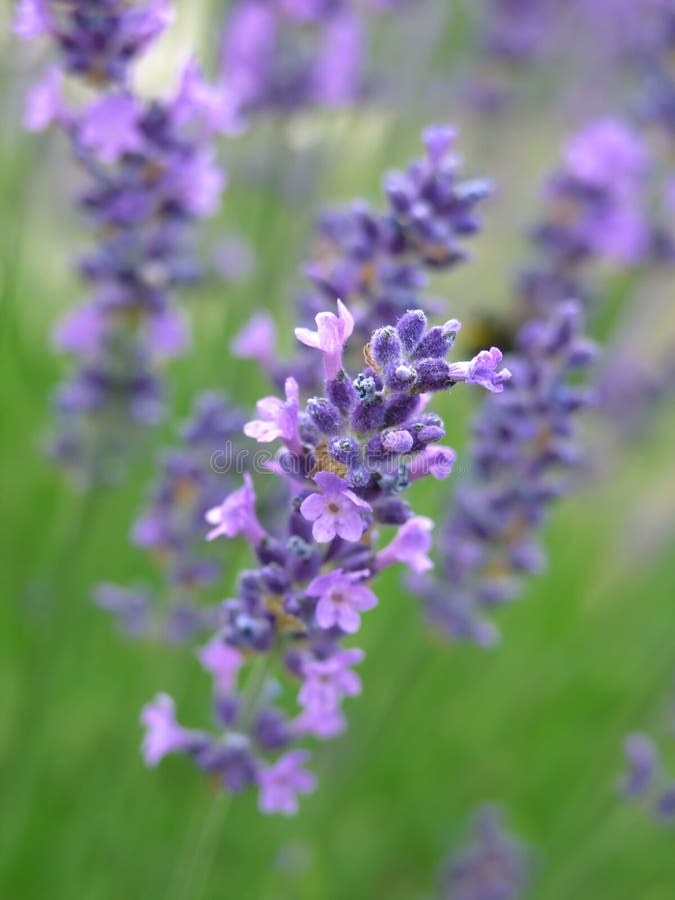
342	466
149	174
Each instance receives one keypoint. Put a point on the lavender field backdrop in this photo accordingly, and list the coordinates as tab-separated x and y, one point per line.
511	733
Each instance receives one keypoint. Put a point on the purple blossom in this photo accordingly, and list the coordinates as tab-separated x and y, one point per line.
32	19
281	782
278	419
341	597
411	546
482	370
643	764
337	511
223	662
327	681
45	103
494	866
435	461
163	734
109	127
257	340
236	515
331	335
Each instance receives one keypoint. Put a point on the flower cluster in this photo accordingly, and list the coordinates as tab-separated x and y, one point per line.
594	203
285	54
191	481
150	172
525	445
379	262
346	458
495	866
644	779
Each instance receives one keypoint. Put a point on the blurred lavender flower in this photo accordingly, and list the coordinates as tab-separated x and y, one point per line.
343	461
495	866
379	263
151	174
525	441
285	54
170	529
645	780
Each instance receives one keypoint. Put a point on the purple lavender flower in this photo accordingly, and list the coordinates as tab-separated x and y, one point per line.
493	867
170	529
378	263
236	515
644	780
278	419
282	781
336	511
643	765
411	546
349	451
341	597
150	174
163	735
223	662
524	439
282	55
331	335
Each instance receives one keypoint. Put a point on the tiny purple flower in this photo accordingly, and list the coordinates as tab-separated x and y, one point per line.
434	461
482	370
32	19
410	546
341	598
331	335
642	764
327	681
45	102
236	515
281	782
278	419
257	340
163	734
109	126
223	662
336	511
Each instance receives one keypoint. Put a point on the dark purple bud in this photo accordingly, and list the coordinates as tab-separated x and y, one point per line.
665	803
411	328
275	579
438	341
325	416
341	392
401	377
345	450
391	511
368	415
385	347
427	434
360	476
271	730
433	375
397	441
227	710
400	408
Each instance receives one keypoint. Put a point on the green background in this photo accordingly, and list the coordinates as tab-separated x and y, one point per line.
535	724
